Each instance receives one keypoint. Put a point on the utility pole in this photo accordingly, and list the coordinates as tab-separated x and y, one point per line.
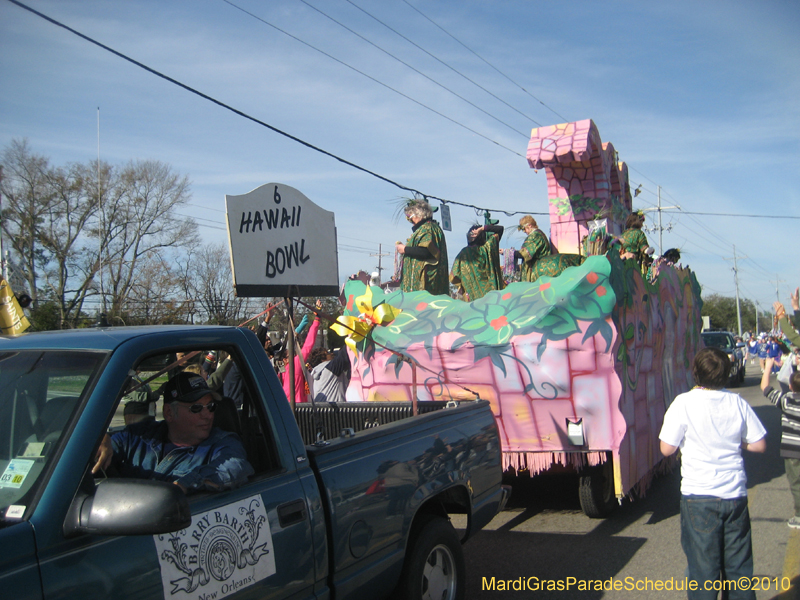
736	284
102	218
777	282
660	228
757	305
380	254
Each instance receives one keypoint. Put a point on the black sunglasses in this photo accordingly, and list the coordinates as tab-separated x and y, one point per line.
196	408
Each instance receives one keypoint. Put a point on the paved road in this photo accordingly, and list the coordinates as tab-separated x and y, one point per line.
544	534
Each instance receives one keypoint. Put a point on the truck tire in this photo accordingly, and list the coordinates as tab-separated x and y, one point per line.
434	568
734	380
596	490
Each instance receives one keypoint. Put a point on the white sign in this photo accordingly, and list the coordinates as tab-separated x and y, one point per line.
222	552
447	224
281	244
15	473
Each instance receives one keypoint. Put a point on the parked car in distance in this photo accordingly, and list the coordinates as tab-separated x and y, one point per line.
725	341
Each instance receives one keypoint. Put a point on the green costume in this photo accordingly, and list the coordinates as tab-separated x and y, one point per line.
477	268
554	265
535	247
788	330
430	273
634	241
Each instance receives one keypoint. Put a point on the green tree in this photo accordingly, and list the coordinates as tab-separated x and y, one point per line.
721	311
723	315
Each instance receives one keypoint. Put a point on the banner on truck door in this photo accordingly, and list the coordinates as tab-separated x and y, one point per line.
223	551
281	244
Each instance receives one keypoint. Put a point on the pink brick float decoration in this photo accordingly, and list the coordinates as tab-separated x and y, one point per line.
584	180
596	343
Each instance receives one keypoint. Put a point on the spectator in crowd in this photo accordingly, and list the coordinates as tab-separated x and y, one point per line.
763	349
783	320
789	403
139	403
185	448
425	265
752	349
330	374
774	351
476	269
300	389
711	426
787	366
535	246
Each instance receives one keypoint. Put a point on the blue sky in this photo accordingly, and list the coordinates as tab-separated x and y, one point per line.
698	98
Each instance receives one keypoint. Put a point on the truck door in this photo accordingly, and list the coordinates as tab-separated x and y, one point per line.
254	541
19	570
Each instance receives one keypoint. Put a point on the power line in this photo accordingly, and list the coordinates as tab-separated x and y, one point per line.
236	111
485	61
739	215
209	98
320	150
401	61
436	58
370	77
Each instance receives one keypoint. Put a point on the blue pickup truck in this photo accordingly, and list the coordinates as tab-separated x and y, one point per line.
357	509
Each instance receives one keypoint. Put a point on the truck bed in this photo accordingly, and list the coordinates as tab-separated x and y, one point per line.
375	481
333	418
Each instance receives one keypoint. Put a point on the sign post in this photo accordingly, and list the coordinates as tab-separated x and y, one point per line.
282	244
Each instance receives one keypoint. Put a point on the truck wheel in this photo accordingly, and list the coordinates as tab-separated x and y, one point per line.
734	380
434	568
596	491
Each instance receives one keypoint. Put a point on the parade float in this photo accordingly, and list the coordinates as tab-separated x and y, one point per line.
579	368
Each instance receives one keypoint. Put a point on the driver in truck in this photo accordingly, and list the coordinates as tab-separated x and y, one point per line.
185	448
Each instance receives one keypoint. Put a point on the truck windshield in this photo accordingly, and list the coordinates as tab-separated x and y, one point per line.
718	340
39	393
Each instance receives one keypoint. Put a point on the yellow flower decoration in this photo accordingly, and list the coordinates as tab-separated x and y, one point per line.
355	329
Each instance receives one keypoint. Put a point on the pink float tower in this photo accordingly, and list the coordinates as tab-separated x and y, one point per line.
585	181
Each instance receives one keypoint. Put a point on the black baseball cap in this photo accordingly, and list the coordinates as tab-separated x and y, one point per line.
187	387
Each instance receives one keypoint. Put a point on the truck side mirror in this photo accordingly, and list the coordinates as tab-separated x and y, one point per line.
128	507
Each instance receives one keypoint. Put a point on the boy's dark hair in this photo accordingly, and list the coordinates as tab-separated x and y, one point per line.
317	356
794	381
711	368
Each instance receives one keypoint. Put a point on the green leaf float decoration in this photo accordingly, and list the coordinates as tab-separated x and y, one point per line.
579	300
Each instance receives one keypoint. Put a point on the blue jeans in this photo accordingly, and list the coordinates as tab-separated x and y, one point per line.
715	535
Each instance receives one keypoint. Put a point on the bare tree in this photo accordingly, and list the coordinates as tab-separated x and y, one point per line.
141	220
73	257
211	286
93	230
27	204
157	295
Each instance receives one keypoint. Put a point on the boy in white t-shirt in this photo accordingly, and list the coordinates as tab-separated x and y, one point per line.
711	426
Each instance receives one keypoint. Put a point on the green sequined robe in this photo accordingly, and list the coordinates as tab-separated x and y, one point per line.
554	265
477	268
536	246
430	275
634	241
